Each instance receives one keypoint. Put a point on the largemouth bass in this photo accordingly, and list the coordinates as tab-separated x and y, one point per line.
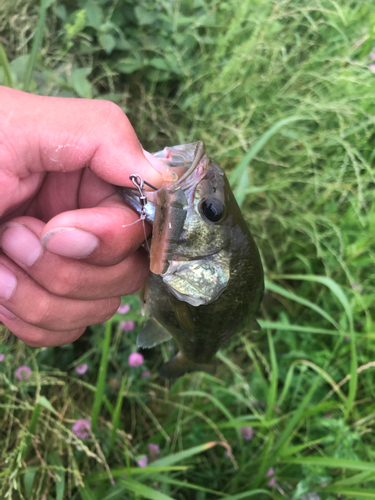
206	280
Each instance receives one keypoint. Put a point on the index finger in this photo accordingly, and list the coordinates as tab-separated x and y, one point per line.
65	134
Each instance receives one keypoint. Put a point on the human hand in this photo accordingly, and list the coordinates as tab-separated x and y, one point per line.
68	250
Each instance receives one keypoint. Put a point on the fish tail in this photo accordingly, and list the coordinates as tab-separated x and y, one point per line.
179	365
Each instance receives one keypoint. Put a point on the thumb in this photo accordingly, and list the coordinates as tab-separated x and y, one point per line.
66	134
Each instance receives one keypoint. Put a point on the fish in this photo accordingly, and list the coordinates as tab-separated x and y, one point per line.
206	278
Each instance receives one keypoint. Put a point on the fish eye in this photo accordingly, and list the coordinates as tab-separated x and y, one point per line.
213	209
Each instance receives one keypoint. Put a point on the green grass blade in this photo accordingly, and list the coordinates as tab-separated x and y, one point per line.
182	455
143	490
351	493
185	484
265	461
86	494
353	382
117	414
295	420
28	480
240	173
292	296
54	459
249	156
336	463
32	427
354	480
37	40
215	401
340	295
94	389
43	401
293	450
329	283
35	418
248	494
272	390
115	493
325	376
100	385
277	325
287	383
4	63
97	477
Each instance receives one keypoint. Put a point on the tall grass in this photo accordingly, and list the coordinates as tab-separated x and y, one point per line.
283	95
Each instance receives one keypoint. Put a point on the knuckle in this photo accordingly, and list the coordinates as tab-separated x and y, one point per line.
113	113
35	337
63	284
37	341
108	309
39	314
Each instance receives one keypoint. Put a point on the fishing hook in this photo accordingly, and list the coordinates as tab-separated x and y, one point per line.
139	184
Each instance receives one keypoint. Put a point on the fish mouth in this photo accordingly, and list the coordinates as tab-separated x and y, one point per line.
181	156
180	161
199	153
185	166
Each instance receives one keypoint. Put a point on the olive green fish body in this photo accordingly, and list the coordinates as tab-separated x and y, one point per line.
206	280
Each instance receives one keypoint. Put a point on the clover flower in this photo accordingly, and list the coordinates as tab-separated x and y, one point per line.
2	357
146	374
23	372
81	369
142	461
135	359
123	309
127	326
82	428
246	433
271	472
153	451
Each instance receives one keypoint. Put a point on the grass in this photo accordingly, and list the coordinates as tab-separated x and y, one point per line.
283	95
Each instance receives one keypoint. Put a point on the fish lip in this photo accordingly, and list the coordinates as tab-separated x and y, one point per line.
199	154
183	258
189	156
188	183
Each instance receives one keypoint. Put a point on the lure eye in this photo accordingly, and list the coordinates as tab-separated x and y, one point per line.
213	209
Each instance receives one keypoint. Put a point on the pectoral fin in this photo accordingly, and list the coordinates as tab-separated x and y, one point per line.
152	334
183	317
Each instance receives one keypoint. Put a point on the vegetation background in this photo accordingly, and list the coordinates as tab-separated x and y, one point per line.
283	94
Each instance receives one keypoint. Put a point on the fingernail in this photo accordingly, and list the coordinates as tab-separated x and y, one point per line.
70	242
6	313
7	283
21	244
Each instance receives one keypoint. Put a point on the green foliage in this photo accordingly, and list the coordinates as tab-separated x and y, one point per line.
283	95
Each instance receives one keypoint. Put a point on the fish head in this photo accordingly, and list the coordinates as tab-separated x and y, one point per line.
198	228
192	236
189	212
